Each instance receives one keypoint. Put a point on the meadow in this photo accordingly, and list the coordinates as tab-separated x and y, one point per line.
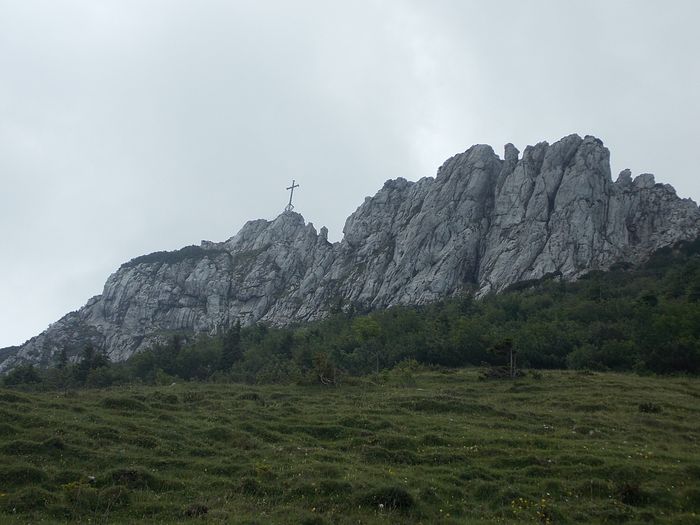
406	446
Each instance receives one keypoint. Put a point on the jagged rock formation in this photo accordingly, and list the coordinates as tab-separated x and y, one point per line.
482	224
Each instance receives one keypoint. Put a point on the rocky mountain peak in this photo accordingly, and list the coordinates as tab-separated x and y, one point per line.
481	224
645	180
285	228
624	179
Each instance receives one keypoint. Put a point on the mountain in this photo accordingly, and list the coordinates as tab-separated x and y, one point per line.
482	224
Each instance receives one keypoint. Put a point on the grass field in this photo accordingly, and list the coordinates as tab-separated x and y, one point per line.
427	447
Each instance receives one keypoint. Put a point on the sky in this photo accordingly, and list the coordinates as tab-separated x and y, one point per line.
132	126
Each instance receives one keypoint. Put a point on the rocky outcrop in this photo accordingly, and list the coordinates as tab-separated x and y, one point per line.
481	224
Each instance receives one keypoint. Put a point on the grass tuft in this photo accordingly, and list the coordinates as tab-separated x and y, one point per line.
28	499
370	452
17	476
123	403
11	397
134	478
650	408
196	510
389	498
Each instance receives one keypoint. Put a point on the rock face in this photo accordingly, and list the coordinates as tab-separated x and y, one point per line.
480	225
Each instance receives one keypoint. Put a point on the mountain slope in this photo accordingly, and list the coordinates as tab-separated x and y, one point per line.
481	224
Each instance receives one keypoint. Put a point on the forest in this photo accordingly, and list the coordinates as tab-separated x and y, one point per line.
643	319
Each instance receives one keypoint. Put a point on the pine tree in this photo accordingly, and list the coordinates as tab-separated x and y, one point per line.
62	359
90	359
231	350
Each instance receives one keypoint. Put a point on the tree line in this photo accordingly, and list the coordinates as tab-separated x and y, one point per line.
644	319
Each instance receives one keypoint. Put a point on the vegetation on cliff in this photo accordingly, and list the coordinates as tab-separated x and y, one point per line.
645	319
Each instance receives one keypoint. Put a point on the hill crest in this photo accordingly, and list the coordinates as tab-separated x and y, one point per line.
482	224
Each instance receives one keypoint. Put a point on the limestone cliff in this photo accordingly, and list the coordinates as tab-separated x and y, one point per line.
480	225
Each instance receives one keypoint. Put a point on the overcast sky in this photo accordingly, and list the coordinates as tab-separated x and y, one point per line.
128	127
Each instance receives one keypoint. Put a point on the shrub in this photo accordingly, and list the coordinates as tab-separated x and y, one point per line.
53	443
649	408
403	373
196	510
535	374
631	493
251	487
22	375
173	257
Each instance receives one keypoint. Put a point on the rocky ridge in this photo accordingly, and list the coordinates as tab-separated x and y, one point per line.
481	224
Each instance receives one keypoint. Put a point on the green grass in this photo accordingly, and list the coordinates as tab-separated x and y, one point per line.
447	448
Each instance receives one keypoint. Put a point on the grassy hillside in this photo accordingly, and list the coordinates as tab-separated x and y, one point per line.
407	446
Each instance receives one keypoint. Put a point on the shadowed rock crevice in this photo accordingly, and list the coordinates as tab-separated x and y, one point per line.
480	225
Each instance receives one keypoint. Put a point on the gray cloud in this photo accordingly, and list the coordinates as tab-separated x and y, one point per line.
133	126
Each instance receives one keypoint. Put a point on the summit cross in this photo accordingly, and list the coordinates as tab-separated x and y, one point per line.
290	206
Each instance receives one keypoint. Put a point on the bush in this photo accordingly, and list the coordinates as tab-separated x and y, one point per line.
643	319
649	408
196	510
22	375
403	374
675	356
99	377
585	357
631	494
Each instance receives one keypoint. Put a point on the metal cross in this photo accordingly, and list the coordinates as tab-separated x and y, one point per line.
290	206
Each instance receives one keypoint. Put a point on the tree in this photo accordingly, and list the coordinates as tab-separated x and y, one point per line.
367	333
62	359
59	376
505	348
325	369
231	350
22	375
90	359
